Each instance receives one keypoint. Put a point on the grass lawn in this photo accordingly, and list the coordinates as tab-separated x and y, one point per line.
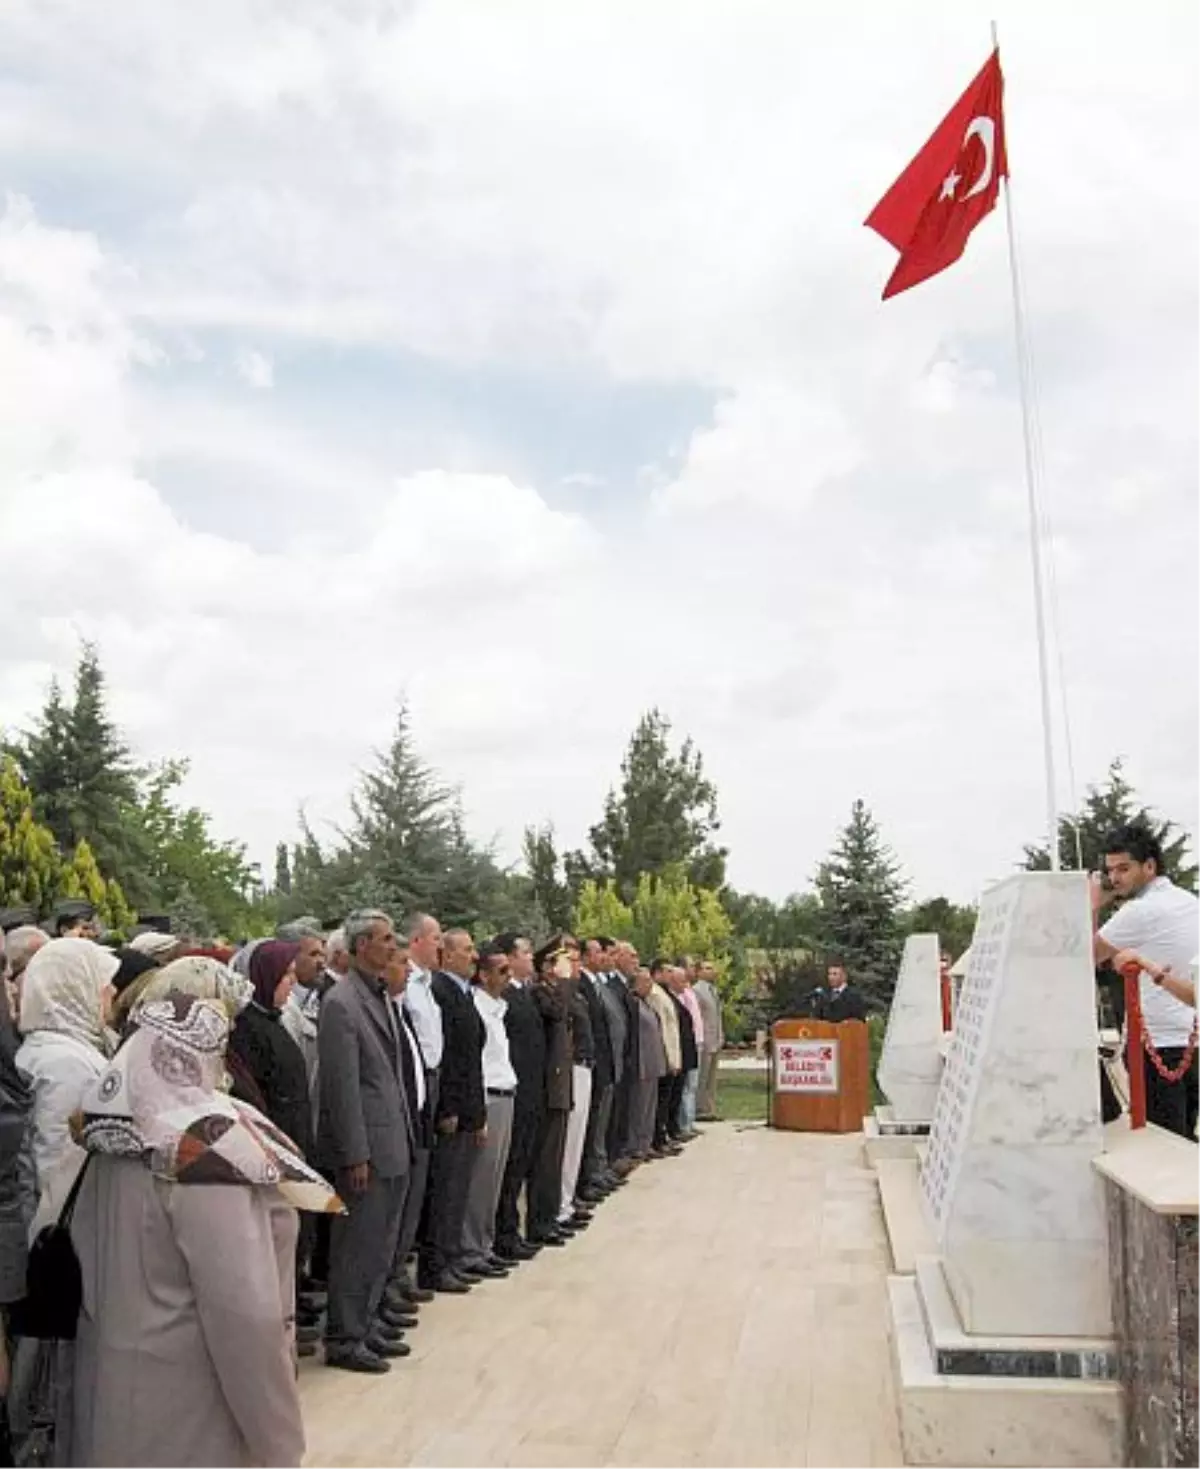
742	1095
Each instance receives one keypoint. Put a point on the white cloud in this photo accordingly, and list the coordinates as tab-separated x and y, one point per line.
829	588
254	368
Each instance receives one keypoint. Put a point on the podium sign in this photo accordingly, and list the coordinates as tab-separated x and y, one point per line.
806	1066
819	1075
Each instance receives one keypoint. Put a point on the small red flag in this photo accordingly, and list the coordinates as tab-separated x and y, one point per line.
952	183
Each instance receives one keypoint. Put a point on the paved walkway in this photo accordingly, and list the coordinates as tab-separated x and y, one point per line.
727	1307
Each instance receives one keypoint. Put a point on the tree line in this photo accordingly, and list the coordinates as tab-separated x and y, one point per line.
80	817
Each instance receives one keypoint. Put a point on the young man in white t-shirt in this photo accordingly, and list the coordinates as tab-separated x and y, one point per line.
1160	922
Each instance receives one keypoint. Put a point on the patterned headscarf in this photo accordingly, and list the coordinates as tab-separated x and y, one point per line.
62	990
204	979
160	1100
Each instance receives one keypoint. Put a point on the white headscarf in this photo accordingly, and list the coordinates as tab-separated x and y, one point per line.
62	987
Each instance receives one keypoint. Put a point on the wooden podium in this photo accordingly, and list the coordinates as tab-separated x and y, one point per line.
820	1075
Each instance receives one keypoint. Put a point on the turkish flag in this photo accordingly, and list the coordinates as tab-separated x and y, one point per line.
952	183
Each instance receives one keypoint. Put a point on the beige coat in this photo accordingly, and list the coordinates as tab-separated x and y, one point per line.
184	1352
664	1007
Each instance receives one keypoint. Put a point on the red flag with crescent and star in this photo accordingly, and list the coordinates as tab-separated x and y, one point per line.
953	182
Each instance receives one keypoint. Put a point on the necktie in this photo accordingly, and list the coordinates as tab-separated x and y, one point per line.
407	1072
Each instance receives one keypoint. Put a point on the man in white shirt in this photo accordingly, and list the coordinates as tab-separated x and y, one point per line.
1160	922
424	1017
500	1089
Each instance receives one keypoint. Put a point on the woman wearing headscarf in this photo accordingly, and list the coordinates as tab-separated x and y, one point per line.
65	993
266	1064
185	1228
194	974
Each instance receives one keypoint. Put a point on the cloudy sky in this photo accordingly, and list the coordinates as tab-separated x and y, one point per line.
527	360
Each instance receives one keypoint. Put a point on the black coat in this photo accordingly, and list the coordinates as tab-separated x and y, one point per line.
526	1047
269	1072
461	1093
633	1039
583	1042
551	1000
688	1050
848	1004
602	1074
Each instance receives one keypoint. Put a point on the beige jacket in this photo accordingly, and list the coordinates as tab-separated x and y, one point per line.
664	1007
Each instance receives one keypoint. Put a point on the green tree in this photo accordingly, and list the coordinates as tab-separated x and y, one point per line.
186	866
861	892
599	910
283	871
1105	807
663	814
953	923
30	864
407	850
550	892
84	783
671	915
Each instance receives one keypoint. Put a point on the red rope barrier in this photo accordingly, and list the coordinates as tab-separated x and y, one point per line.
1135	1038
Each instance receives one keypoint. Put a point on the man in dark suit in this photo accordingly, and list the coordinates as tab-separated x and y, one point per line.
460	1118
527	1051
552	969
841	1001
595	1179
621	978
365	1136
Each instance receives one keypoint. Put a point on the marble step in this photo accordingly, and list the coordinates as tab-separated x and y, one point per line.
1006	1421
908	1231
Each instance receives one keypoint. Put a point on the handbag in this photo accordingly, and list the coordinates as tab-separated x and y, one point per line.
53	1279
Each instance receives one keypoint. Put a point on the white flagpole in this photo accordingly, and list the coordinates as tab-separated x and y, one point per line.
1035	544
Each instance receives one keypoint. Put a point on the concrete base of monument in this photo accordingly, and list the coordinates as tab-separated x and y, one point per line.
1012	1401
885	1137
904	1217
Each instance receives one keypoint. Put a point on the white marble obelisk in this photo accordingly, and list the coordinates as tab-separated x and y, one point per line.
1016	1206
910	1063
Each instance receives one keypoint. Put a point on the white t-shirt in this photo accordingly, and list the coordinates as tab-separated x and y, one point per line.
1162	923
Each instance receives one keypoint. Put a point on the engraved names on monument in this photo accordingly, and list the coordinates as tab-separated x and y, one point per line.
972	1023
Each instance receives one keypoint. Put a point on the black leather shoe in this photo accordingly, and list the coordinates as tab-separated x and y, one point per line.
581	1218
526	1249
590	1194
398	1320
506	1265
388	1347
553	1238
509	1252
356	1358
447	1284
465	1274
415	1295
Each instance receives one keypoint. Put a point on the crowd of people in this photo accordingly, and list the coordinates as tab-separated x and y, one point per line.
394	1114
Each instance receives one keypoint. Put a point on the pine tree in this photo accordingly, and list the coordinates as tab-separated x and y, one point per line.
82	877
664	813
861	892
84	784
1106	807
29	860
552	895
283	873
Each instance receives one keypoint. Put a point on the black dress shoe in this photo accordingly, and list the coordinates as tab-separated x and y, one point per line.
398	1320
526	1251
415	1295
591	1194
506	1265
388	1346
509	1252
448	1284
356	1358
553	1238
467	1275
581	1218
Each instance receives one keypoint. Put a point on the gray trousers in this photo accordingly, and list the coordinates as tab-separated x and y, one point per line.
487	1174
362	1246
643	1104
410	1220
595	1144
706	1099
